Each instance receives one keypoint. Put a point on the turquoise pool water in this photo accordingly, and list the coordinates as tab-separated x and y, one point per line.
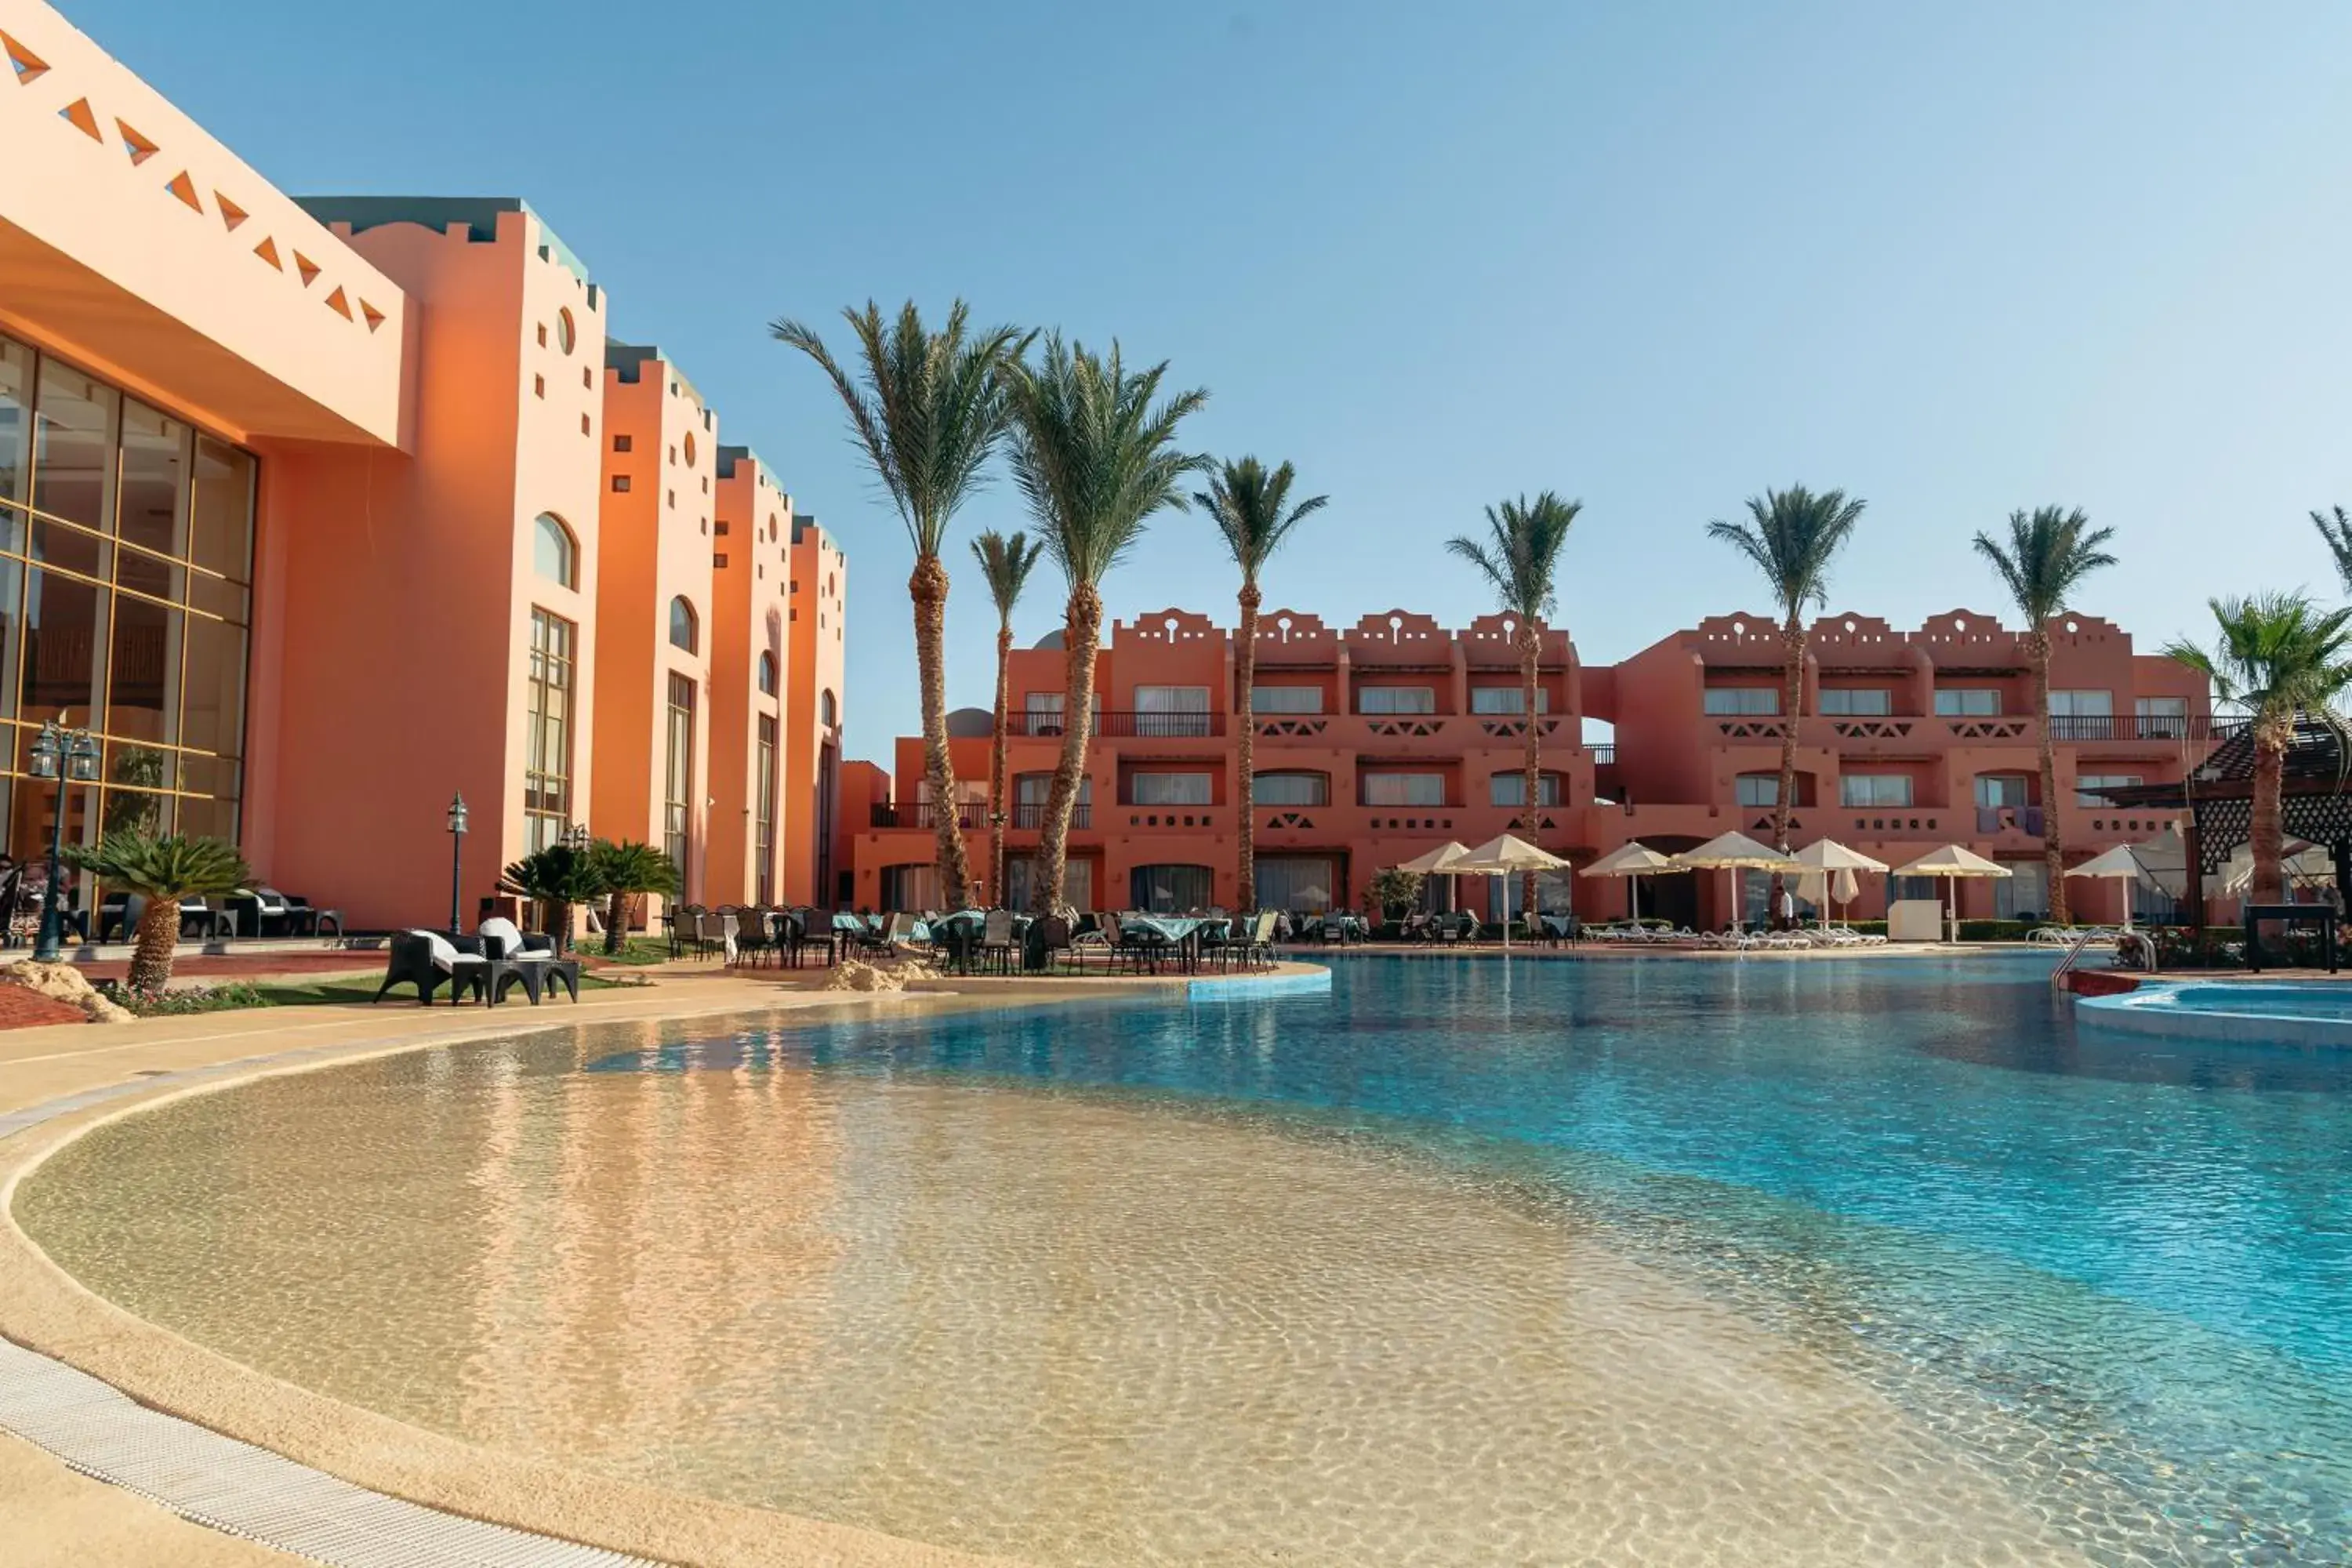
2142	1250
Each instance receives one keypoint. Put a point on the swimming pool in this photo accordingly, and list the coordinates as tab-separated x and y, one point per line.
1458	1262
2278	1013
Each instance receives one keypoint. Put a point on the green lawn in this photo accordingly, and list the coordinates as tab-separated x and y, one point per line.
232	995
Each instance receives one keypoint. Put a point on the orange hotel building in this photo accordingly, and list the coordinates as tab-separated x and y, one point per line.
1385	740
318	511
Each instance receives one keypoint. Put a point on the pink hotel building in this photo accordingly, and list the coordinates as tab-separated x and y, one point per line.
1378	742
318	511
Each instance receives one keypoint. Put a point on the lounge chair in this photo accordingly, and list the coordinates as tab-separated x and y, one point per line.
427	959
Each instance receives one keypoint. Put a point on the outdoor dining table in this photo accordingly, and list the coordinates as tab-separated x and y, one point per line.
1183	933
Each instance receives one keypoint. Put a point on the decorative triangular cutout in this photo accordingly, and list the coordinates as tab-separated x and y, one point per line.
138	146
305	266
27	64
184	188
339	305
231	214
375	317
267	251
78	113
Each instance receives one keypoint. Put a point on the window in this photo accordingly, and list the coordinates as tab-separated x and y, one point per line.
1020	882
1875	791
2162	717
764	810
624	443
1750	701
1404	789
1170	789
543	334
539	386
678	774
567	336
1396	700
1170	889
1511	789
620	484
1287	700
1967	703
2086	786
1030	790
2082	704
1757	789
828	711
1162	711
547	765
911	890
2024	893
1291	789
684	630
767	674
721	530
690	448
1506	700
1303	884
554	555
1997	792
1857	702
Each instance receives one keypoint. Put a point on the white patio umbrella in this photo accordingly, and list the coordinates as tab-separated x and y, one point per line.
1832	865
1735	852
1506	855
1952	862
2121	863
1634	862
2303	864
1437	862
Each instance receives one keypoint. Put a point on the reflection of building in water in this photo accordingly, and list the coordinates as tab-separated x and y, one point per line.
614	1305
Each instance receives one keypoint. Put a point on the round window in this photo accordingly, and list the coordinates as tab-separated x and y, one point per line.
566	336
690	448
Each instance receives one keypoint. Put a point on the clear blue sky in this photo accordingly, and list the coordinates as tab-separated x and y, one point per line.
1955	259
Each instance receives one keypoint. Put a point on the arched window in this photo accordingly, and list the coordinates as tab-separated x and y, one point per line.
829	713
767	674
682	626
554	553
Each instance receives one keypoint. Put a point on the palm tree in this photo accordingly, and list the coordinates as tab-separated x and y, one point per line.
556	878
929	413
1248	505
1520	560
1095	455
1791	536
1006	563
2279	657
163	871
625	867
2049	554
2335	526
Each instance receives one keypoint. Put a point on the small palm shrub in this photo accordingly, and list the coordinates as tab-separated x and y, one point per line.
163	871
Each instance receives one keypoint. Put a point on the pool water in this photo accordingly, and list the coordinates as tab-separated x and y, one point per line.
1863	1261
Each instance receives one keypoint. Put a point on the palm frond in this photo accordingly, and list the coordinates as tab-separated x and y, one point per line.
2335	526
2049	552
1520	556
1093	451
1791	536
167	868
1248	503
928	410
2276	654
1006	563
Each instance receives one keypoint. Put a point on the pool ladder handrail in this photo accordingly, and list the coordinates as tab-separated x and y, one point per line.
2145	943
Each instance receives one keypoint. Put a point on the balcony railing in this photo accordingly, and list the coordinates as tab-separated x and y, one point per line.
1119	725
1031	814
2025	819
1605	755
2131	727
926	816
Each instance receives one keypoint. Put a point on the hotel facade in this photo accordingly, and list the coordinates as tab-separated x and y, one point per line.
321	511
1381	741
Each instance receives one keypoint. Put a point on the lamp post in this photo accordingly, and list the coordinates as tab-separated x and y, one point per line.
576	840
67	756
457	856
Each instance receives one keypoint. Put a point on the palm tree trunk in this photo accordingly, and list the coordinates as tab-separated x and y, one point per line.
1793	642
158	938
616	920
999	814
2053	854
1530	656
2270	741
929	589
1246	751
1081	637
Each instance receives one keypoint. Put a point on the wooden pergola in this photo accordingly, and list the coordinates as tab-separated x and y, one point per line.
2215	801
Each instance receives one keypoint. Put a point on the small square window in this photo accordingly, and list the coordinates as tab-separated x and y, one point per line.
719	561
539	386
706	527
623	444
706	484
673	453
672	500
586	379
620	484
585	428
722	531
796	615
543	334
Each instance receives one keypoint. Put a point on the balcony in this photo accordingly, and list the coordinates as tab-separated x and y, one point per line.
1116	724
2071	729
1603	755
1994	820
1030	815
926	816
